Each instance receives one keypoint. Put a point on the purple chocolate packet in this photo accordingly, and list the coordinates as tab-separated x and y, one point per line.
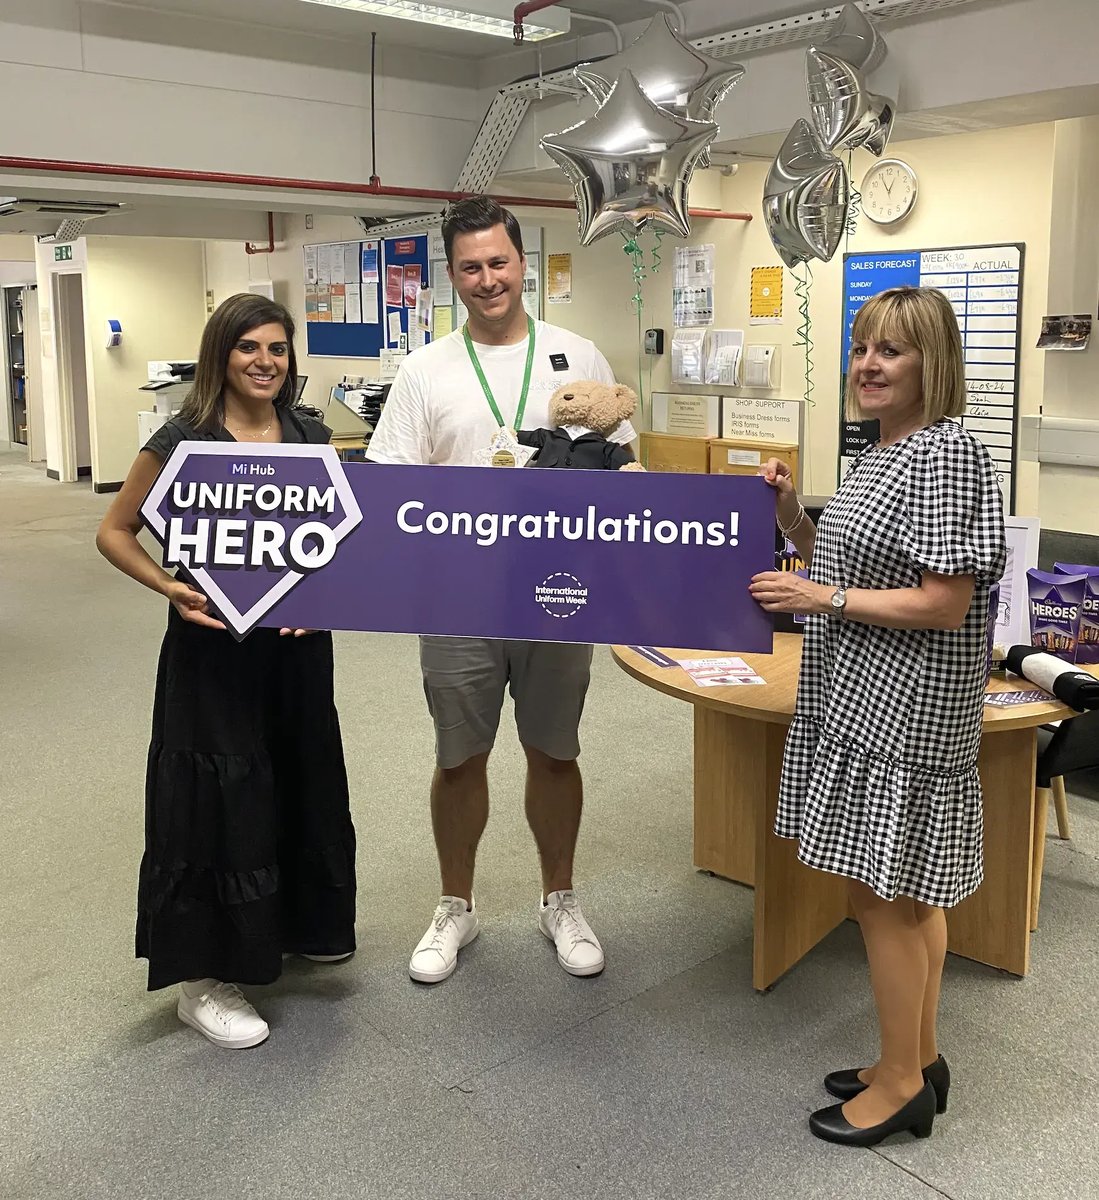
1056	602
1087	645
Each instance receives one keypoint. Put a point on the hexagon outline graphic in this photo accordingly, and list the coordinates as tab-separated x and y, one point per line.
242	623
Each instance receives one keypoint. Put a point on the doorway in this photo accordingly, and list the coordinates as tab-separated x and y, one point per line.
13	426
72	377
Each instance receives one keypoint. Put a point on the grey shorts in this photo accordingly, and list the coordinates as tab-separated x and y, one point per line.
464	682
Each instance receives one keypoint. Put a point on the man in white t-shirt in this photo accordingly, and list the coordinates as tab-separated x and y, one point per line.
447	402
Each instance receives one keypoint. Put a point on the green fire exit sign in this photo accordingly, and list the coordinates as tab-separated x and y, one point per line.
62	253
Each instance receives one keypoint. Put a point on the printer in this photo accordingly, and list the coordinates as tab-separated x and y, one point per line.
169	382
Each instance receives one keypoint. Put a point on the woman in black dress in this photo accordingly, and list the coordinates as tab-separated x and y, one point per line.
249	845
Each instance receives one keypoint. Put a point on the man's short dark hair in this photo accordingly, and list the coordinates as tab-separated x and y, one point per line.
476	213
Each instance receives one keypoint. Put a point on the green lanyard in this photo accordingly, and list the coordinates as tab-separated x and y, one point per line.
484	382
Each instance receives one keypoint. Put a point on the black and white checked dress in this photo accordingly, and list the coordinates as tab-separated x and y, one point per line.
879	779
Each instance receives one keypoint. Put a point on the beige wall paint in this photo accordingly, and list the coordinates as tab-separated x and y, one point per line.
155	287
17	247
974	188
1070	494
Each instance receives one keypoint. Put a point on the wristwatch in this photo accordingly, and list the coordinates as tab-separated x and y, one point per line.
839	601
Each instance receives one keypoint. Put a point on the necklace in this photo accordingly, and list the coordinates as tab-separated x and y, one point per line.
254	436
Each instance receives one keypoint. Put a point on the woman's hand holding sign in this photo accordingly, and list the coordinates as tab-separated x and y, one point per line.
787	591
191	605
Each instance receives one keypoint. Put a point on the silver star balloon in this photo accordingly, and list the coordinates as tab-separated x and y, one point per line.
805	198
631	164
845	112
670	71
855	39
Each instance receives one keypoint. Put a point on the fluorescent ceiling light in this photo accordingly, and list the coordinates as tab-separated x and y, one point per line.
494	17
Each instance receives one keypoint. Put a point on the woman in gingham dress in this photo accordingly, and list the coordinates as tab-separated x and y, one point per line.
879	779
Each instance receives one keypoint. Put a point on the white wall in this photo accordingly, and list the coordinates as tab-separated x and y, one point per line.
166	89
961	68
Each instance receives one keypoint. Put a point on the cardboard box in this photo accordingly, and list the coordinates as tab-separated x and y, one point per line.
669	452
738	456
688	416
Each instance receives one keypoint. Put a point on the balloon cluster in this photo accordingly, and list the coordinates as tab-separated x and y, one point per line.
807	193
631	164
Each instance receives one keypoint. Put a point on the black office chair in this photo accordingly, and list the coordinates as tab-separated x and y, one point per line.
1071	745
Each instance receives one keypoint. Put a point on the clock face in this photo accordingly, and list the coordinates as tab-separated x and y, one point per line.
889	191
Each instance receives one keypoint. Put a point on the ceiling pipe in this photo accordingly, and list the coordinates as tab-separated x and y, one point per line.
174	175
524	10
675	10
249	248
579	16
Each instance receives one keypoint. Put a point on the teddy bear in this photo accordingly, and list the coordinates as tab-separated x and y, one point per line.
584	413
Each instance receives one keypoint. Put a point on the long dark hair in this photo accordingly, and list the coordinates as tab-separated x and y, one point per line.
204	408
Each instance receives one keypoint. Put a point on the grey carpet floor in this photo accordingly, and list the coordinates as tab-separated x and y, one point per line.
665	1077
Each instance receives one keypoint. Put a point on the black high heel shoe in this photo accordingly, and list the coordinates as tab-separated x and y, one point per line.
918	1115
845	1085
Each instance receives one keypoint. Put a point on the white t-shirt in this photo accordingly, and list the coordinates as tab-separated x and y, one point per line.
436	412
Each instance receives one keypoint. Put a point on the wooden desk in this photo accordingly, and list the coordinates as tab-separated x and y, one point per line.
739	736
348	442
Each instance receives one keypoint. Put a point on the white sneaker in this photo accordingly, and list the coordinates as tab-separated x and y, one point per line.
220	1013
452	927
578	949
328	957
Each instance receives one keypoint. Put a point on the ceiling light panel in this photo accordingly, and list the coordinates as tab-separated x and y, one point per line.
494	17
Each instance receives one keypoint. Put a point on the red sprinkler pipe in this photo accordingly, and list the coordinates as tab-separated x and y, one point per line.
524	10
299	185
250	249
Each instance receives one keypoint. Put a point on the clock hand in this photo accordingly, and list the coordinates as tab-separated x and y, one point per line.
888	188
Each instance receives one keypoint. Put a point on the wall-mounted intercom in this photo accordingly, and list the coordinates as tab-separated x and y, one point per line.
654	341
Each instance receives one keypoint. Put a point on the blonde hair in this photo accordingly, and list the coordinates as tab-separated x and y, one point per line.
923	318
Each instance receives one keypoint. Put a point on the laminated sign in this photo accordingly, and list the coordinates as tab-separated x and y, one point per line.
287	535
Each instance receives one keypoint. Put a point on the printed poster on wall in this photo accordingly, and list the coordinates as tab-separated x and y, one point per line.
766	300
339	301
394	284
370	262
411	284
559	279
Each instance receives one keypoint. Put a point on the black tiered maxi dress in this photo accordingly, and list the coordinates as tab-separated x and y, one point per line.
249	844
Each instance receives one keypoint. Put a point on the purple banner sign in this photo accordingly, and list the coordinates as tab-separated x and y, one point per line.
289	536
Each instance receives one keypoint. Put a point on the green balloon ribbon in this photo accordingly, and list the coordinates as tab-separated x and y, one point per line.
803	286
637	260
659	233
854	203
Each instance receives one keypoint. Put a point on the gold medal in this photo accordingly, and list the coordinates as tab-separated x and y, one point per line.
503	458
